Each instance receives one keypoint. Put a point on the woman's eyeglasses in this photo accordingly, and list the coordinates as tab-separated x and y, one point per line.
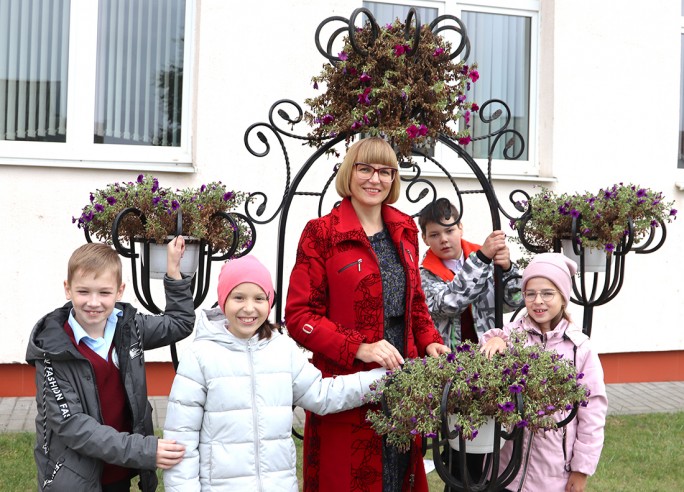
546	295
366	171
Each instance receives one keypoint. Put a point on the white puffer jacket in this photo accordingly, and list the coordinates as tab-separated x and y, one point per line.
231	406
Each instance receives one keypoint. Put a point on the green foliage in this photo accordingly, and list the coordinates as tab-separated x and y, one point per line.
160	207
408	97
480	388
602	218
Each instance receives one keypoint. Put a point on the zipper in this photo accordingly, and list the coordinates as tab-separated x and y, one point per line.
254	415
357	263
408	251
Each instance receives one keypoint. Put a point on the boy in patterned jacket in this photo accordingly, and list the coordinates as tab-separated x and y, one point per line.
458	276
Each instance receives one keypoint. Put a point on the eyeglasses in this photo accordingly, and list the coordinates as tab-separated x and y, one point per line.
546	295
366	171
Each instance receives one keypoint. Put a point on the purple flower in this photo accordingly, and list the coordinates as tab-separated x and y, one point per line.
175	205
641	193
356	125
509	406
316	85
327	119
99	207
574	213
521	424
464	140
111	200
156	200
515	388
610	247
451	357
92	198
342	55
412	131
550	408
364	97
155	184
203	188
474	107
141	178
365	78
88	217
438	51
673	212
228	196
475	431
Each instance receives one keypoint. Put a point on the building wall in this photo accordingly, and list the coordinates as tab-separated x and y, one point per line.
608	112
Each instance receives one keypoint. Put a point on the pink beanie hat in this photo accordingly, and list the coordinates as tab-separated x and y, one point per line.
240	270
555	267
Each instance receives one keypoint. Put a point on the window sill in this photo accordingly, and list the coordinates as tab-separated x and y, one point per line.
141	166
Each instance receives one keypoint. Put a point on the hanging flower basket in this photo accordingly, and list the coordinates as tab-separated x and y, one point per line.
397	81
594	258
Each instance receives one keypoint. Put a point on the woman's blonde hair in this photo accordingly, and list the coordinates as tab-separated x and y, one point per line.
371	150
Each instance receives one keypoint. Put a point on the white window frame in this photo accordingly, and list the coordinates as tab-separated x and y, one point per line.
521	8
79	150
501	168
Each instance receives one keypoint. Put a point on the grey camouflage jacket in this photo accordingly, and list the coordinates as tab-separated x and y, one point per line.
472	286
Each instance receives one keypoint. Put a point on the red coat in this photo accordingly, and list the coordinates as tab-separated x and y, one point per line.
334	304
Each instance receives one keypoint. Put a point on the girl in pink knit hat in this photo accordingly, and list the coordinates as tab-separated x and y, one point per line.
560	460
232	398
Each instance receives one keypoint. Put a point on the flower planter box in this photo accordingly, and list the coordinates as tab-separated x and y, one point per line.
157	257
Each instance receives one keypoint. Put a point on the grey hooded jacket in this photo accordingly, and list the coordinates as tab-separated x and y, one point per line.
71	441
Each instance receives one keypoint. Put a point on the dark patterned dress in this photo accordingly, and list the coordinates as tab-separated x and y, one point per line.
393	278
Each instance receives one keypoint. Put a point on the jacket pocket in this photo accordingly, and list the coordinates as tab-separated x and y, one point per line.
356	264
72	471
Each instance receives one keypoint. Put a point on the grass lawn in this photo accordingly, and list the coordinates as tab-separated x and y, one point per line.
642	453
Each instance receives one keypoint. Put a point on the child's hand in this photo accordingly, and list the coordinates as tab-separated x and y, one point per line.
436	349
503	258
577	482
495	345
494	242
174	253
169	453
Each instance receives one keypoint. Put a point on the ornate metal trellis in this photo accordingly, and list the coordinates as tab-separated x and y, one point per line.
419	190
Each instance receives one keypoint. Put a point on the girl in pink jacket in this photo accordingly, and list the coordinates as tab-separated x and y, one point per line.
562	459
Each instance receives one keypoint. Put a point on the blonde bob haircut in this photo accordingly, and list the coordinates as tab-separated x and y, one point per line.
371	150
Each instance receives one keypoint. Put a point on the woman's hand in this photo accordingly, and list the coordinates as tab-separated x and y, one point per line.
436	349
381	352
495	345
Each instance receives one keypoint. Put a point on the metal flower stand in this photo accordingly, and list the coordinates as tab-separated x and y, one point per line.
594	288
140	264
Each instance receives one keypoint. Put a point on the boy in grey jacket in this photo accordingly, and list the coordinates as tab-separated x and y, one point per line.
458	276
94	424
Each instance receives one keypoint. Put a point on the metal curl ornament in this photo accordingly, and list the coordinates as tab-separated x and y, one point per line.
460	28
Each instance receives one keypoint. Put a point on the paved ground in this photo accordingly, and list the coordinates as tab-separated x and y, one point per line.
18	414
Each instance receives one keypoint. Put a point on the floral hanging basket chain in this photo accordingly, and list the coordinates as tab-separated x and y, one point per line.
399	81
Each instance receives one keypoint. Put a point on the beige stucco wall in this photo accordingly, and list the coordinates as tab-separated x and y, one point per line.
608	112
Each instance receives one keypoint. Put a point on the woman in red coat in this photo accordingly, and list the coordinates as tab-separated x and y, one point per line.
355	300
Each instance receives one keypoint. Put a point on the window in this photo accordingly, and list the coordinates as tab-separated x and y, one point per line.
98	83
386	13
504	45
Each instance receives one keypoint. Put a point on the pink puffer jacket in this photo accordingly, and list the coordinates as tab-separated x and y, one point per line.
550	459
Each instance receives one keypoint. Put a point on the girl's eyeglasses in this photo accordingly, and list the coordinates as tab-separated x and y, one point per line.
546	295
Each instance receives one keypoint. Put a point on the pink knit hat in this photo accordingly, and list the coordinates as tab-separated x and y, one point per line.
240	270
555	267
